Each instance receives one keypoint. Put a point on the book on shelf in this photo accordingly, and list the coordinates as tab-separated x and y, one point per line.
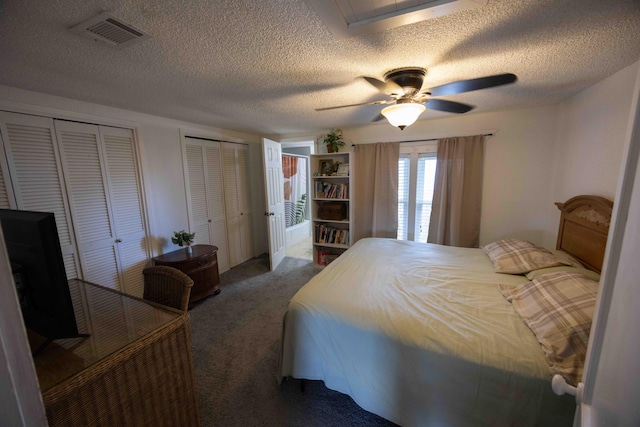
331	191
326	258
328	234
322	257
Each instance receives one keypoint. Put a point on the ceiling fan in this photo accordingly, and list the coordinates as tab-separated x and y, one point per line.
409	100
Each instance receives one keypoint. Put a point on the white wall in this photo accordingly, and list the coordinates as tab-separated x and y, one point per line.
592	127
592	130
161	157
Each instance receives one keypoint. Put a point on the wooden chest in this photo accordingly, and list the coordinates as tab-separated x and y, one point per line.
335	211
201	265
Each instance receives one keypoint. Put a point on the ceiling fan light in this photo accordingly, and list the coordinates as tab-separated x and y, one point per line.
403	115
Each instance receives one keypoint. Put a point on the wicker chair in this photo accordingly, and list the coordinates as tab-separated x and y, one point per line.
167	286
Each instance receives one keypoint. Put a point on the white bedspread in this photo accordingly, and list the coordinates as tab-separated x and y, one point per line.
420	335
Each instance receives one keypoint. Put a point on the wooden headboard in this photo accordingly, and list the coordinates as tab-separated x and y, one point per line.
584	226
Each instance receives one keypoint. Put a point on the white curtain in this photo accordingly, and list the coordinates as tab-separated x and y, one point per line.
376	190
294	170
457	194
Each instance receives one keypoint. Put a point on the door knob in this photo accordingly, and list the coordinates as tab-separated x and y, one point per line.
118	240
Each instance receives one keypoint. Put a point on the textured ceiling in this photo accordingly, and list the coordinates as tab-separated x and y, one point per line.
264	66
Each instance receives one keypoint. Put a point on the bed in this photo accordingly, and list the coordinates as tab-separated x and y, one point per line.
422	334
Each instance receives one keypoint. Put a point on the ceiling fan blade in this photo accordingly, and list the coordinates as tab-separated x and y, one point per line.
355	105
387	87
473	84
378	118
448	106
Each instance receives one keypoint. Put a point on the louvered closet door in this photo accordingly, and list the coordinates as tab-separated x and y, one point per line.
86	187
36	181
206	199
7	201
104	192
127	206
236	191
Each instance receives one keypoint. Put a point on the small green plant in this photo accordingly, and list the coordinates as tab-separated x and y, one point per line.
182	238
333	140
300	209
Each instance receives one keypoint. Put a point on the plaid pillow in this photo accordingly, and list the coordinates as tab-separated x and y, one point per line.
514	256
568	268
558	308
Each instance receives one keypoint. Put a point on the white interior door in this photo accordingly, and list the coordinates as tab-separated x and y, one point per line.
612	367
272	155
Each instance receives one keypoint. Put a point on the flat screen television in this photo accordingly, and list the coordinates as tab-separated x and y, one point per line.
38	270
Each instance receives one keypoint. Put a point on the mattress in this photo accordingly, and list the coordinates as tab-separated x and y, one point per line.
420	335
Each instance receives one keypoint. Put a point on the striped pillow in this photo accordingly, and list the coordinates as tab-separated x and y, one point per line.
514	256
558	308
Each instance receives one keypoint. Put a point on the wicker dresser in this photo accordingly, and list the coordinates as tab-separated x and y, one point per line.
135	369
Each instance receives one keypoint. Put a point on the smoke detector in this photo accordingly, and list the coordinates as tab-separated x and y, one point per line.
110	30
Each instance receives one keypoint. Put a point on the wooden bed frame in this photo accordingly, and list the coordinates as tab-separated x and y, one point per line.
584	226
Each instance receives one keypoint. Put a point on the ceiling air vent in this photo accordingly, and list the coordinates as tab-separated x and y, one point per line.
110	30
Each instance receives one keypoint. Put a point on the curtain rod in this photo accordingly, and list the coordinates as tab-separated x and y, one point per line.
294	155
431	139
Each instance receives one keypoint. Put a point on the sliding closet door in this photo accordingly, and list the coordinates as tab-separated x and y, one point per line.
206	196
36	180
237	202
104	196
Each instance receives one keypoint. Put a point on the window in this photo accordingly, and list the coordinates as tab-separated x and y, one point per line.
416	175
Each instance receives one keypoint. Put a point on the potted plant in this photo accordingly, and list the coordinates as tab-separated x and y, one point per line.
333	140
182	238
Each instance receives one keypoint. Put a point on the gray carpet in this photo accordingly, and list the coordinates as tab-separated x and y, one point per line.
235	341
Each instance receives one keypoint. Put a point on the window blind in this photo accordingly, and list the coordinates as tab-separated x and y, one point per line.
415	194
403	196
424	195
